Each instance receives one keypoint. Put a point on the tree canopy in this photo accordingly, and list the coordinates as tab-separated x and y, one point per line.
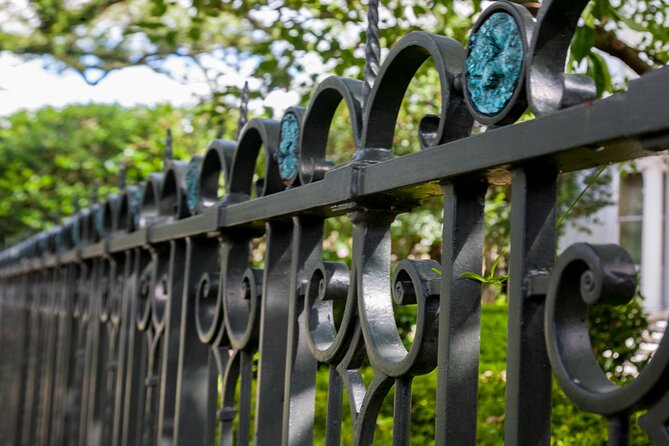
51	159
287	43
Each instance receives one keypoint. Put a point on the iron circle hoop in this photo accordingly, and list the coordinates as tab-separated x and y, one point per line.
172	203
323	104
216	162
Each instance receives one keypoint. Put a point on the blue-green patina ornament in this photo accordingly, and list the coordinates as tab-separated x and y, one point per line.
98	220
75	231
192	195
59	239
288	146
494	63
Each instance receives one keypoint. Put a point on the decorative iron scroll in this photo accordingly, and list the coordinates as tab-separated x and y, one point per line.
142	320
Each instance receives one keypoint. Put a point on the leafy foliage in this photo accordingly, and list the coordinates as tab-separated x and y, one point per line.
52	157
491	278
616	334
286	44
569	424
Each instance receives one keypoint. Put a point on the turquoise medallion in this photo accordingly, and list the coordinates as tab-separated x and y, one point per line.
494	63
288	146
98	220
59	239
192	195
75	231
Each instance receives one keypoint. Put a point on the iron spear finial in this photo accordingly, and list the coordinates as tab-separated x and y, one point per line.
168	147
122	175
372	49
243	108
94	191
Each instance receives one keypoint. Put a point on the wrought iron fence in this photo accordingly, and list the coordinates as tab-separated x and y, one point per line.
118	325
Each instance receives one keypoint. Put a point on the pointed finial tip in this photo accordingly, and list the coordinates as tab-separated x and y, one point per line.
168	146
94	191
243	108
122	175
372	49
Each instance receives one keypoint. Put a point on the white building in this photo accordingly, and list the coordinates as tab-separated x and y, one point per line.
636	222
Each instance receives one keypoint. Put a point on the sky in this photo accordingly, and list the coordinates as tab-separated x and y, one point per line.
28	85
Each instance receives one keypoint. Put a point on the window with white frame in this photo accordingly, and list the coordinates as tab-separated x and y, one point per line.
630	214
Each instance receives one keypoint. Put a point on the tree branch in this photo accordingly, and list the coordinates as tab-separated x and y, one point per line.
608	42
605	41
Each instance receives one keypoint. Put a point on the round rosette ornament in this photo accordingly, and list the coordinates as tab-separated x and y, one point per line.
289	146
495	65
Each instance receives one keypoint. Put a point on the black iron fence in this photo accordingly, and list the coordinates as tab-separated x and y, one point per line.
142	321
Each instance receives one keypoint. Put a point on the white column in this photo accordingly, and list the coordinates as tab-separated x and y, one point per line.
652	240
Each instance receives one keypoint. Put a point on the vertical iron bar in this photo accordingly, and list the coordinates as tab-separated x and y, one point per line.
125	325
149	423
171	339
76	356
460	313
619	430
65	339
273	332
90	315
245	394
21	358
334	414
193	382
134	389
49	348
28	415
300	391
214	372
533	245
402	412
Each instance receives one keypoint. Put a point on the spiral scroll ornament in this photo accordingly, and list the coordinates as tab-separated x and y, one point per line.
588	275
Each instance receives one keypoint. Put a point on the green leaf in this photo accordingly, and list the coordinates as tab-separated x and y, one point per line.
495	264
158	9
599	72
474	276
601	8
584	39
630	23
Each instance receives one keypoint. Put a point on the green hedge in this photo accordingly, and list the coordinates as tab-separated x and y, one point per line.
570	425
